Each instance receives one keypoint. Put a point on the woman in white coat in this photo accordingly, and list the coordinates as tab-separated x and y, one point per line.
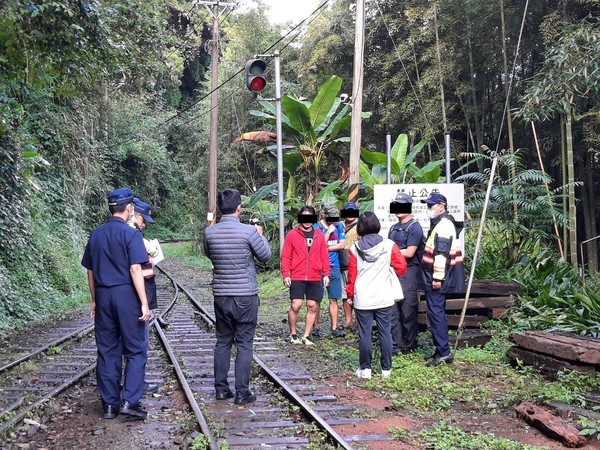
373	287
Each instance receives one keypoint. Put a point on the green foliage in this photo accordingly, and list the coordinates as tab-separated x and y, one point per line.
591	427
200	442
552	297
568	387
515	188
448	437
570	79
404	169
313	126
271	285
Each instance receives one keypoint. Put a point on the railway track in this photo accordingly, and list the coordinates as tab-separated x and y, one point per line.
43	366
280	418
292	410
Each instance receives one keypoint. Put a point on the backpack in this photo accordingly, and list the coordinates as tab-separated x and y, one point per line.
418	256
344	254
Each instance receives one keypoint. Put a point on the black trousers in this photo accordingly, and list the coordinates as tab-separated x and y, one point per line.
404	314
236	322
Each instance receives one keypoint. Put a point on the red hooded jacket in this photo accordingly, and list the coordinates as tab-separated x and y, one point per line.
298	263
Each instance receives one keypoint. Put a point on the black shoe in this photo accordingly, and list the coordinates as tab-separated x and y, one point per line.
243	399
448	359
162	322
223	395
338	333
134	411
150	388
110	412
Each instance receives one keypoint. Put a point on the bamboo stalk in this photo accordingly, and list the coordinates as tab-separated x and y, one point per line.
537	147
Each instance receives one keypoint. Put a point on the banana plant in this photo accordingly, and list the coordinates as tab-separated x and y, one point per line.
313	129
404	169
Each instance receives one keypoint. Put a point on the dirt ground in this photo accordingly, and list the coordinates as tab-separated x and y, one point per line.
73	421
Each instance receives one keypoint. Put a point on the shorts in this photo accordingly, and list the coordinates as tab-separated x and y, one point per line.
311	290
335	284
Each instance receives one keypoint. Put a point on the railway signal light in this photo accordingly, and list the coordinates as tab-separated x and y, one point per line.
255	75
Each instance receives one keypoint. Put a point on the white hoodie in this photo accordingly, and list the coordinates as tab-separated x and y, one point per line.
376	284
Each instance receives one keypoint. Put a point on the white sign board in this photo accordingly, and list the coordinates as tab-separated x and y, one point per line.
384	194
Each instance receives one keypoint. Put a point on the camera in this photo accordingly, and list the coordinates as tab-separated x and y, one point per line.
250	221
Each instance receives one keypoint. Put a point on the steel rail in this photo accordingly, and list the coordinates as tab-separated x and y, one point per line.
180	375
66	384
186	388
175	295
288	391
81	331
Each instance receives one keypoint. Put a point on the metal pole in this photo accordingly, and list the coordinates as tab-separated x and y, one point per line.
211	217
357	88
280	192
388	149
448	175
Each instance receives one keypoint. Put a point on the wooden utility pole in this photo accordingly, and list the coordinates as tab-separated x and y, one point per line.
214	7
357	89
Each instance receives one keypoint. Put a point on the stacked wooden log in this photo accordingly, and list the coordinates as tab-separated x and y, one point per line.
553	352
487	300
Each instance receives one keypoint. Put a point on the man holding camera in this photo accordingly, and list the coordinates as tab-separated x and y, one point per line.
232	248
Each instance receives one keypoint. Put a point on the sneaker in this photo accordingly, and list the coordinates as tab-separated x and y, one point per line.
364	373
338	333
294	339
305	341
316	333
386	373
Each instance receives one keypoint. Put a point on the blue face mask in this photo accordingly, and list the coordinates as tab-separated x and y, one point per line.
431	214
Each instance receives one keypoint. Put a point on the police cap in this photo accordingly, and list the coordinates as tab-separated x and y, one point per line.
143	208
435	198
120	196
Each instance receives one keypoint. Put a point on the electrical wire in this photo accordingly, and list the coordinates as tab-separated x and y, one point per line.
512	75
408	77
190	106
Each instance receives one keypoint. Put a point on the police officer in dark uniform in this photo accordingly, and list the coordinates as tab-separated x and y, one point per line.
113	257
143	216
408	236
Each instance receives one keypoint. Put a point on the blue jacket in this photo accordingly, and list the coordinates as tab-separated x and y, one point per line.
232	247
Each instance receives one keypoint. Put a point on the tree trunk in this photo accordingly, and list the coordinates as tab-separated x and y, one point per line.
589	200
572	206
441	72
511	145
564	187
478	133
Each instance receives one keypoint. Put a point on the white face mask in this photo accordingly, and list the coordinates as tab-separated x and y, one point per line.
431	214
132	215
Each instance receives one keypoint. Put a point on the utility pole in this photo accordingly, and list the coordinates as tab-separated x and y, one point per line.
357	90
213	7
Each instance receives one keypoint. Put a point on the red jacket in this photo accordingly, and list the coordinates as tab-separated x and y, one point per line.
300	265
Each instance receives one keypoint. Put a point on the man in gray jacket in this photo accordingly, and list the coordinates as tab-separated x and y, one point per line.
232	247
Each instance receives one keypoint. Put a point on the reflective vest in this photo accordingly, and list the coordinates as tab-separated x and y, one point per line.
442	249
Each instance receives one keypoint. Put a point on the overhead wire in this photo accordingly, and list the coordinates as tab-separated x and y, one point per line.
283	48
418	98
190	106
512	75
